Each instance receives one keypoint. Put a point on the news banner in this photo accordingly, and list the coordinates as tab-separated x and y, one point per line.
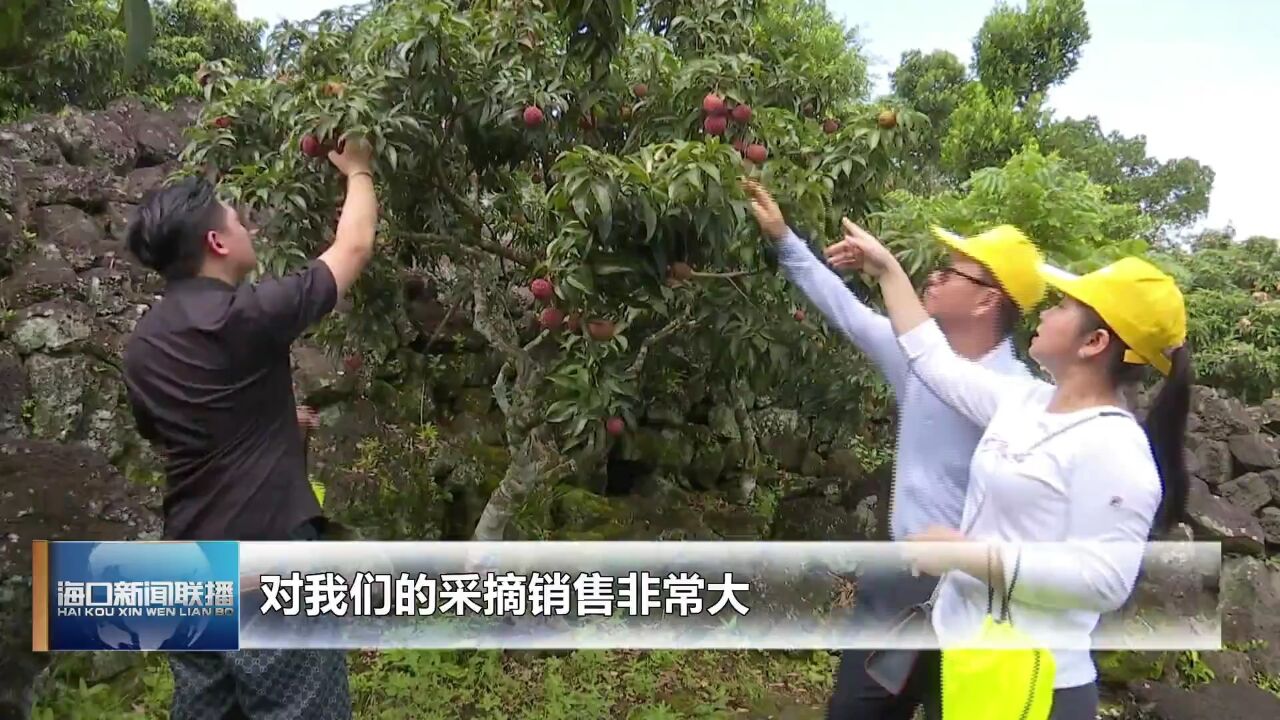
225	595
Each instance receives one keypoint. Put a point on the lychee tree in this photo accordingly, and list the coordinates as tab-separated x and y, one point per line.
587	154
55	53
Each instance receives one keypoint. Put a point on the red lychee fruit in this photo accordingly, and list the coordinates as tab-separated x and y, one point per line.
541	289
311	146
551	318
600	330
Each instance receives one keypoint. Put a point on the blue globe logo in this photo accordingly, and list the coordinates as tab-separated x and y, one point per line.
112	562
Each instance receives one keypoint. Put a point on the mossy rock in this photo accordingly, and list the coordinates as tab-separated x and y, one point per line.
492	461
474	401
737	522
1122	667
669	449
580	514
723	423
668	517
466	370
708	461
779	421
59	387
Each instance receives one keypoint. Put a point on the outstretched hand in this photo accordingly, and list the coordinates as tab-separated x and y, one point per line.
767	213
356	155
860	250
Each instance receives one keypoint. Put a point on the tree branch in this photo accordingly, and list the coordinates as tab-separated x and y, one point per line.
637	365
500	392
449	242
473	216
435	335
726	275
487	323
529	346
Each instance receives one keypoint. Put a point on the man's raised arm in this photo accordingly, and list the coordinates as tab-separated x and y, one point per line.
282	308
868	330
352	246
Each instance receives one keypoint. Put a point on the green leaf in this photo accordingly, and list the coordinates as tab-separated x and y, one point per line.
605	203
560	411
613	269
650	219
139	29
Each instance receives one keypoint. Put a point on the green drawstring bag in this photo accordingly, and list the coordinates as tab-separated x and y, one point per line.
1002	676
318	489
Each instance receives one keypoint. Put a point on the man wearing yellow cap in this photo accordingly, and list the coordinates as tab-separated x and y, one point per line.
1065	487
977	299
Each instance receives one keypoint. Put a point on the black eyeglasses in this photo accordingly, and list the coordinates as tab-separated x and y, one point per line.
947	271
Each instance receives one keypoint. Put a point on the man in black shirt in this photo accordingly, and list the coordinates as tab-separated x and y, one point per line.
207	373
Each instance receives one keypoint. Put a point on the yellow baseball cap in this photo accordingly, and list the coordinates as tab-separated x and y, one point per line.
1011	258
1133	297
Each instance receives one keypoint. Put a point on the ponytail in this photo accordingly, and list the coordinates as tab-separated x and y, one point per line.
1165	423
1166	428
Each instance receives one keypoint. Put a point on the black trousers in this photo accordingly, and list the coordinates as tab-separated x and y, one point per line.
262	684
881	597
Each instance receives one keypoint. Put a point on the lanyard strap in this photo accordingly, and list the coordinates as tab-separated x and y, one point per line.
1005	611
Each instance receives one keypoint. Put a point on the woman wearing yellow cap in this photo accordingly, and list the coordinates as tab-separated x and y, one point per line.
1066	485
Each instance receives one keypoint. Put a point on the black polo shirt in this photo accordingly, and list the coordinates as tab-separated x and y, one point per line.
209	379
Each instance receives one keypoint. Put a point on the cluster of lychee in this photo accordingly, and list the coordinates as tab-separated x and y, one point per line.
311	145
718	113
553	318
533	115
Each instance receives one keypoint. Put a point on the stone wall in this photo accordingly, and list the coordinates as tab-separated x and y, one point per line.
71	464
1235	499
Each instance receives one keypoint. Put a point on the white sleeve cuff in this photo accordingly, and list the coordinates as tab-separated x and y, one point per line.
1042	569
921	339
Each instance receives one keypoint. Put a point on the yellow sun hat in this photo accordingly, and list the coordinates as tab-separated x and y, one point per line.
1133	297
1009	255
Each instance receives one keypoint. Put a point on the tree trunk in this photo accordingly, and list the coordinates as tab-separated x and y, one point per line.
519	479
750	450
